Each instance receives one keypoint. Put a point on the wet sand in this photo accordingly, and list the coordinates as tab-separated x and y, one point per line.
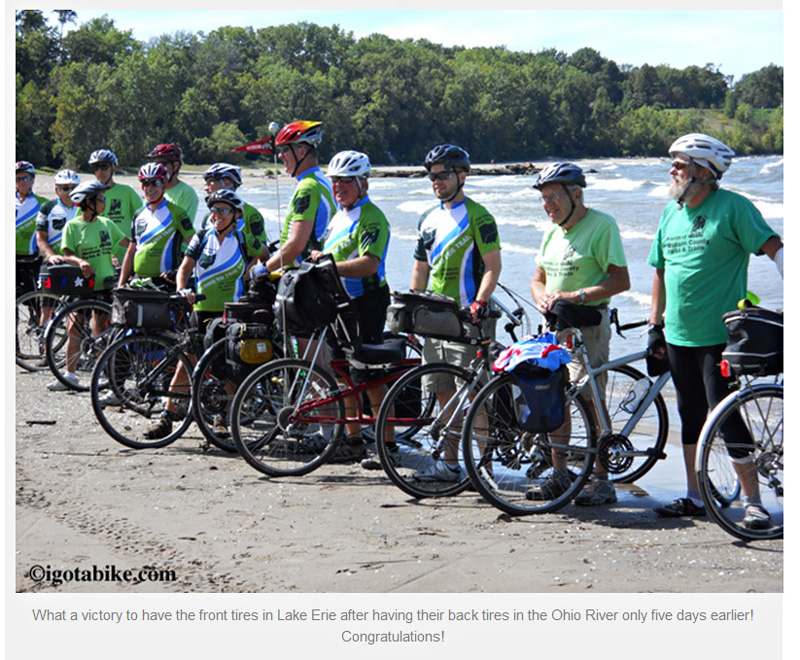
83	499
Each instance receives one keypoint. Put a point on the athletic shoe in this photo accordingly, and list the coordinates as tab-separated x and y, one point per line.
756	517
438	471
374	463
109	399
596	493
161	429
680	508
348	452
218	426
58	386
552	487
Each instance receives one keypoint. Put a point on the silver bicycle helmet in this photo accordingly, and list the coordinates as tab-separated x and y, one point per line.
705	151
224	171
66	178
87	191
349	163
567	174
103	156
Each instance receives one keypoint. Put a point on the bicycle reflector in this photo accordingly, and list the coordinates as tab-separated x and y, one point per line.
725	369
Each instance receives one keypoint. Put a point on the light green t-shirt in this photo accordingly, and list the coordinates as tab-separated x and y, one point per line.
580	257
705	252
183	195
121	204
94	242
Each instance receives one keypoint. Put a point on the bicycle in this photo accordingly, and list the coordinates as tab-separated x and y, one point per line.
288	416
434	423
728	470
626	433
32	308
137	369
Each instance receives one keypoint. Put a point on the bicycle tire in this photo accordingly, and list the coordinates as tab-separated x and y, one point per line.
264	426
137	369
504	461
650	434
212	394
760	407
421	426
30	344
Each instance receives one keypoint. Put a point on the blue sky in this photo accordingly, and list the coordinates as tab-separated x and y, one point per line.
738	41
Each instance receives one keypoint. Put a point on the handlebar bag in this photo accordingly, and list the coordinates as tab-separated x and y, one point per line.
425	314
64	279
133	307
309	296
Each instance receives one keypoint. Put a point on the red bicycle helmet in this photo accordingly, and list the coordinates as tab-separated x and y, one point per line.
170	152
296	132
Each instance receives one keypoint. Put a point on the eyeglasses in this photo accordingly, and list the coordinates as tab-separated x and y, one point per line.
100	166
342	179
66	188
151	182
441	176
24	179
221	210
680	166
100	198
546	199
283	150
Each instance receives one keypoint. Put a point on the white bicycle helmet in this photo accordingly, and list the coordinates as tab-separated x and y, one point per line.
705	151
224	171
103	156
349	163
66	178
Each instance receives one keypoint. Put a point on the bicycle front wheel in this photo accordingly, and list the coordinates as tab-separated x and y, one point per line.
286	418
728	470
425	428
509	465
75	338
629	457
212	395
34	311
131	384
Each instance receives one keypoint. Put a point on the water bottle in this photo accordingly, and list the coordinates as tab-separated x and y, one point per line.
636	395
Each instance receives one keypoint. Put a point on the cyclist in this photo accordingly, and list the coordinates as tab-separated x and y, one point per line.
27	210
224	176
122	201
159	232
87	242
581	261
458	255
358	238
311	205
178	192
54	214
219	259
703	240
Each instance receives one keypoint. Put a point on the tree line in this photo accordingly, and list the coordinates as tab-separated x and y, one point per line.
97	86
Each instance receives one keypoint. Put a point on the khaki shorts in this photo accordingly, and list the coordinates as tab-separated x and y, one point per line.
597	339
451	352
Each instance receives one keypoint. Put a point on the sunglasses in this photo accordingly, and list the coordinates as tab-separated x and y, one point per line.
221	210
151	182
101	166
441	176
24	179
66	188
342	179
680	166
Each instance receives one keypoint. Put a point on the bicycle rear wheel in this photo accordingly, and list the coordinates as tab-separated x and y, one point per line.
137	371
426	428
505	462
79	316
761	409
629	458
212	395
30	344
286	418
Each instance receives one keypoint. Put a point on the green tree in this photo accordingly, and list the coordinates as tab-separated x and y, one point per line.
99	41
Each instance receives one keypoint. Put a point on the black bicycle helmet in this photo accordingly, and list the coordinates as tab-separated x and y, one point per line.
226	196
567	174
451	156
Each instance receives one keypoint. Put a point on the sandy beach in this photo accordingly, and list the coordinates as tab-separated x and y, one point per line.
82	499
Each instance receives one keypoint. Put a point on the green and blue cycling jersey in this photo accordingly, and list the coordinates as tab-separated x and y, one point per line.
27	213
52	218
159	238
312	201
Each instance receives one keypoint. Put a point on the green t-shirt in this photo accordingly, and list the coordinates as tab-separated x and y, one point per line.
705	252
183	195
580	257
453	242
122	202
360	230
27	212
220	267
159	238
94	242
312	201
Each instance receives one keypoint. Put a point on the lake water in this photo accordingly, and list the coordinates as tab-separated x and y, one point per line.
634	191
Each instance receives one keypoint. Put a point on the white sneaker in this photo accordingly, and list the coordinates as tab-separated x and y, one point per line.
438	471
58	386
109	399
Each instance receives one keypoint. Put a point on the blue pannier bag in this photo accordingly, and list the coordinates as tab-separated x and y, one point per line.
541	400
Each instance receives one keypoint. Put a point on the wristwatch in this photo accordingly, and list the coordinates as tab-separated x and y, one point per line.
582	294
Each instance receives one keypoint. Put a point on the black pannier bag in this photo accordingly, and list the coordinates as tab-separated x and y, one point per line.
309	296
133	307
540	399
247	345
65	279
755	341
248	312
425	314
